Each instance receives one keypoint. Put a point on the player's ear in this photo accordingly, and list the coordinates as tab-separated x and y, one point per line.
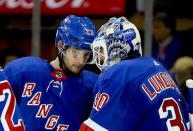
59	45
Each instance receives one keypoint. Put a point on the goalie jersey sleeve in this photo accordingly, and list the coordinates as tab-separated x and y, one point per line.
10	117
137	97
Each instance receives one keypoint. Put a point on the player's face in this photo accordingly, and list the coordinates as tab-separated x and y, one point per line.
160	31
101	56
75	59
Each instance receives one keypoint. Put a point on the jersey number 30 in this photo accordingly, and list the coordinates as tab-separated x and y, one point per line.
7	99
176	120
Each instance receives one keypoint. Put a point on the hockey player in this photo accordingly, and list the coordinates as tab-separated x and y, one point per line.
135	93
57	95
10	115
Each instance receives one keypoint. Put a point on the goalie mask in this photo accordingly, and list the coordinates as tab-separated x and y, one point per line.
116	40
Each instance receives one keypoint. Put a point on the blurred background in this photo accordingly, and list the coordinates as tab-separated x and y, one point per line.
28	27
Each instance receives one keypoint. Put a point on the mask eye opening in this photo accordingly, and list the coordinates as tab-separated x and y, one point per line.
99	56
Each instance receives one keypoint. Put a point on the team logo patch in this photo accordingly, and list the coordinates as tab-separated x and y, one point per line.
58	75
56	85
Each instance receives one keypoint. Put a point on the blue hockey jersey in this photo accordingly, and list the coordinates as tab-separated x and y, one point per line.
10	115
48	98
137	95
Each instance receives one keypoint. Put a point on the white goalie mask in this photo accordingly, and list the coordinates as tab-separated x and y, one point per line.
114	41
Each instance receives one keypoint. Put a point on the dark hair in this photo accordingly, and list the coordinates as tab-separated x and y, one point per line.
167	18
